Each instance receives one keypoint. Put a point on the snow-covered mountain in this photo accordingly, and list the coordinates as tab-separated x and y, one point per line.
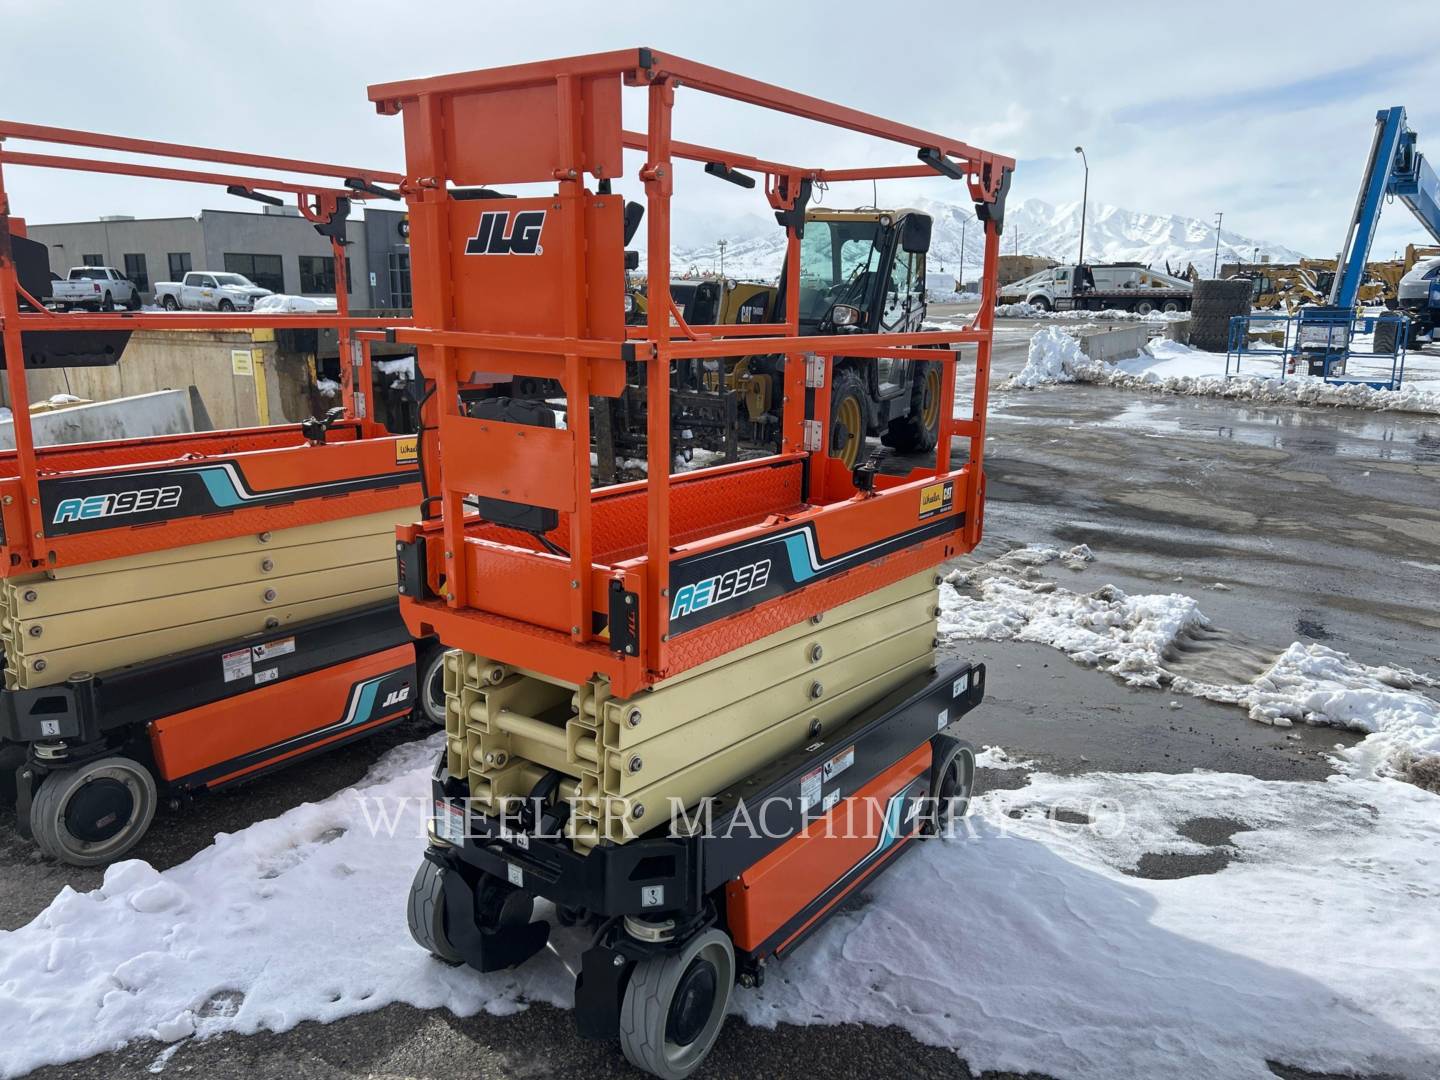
1112	234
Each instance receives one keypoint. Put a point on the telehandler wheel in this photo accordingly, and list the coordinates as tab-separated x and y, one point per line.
956	780
93	814
432	684
425	912
675	1005
919	429
849	418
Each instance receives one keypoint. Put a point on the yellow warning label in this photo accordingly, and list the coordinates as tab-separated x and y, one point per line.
407	450
936	499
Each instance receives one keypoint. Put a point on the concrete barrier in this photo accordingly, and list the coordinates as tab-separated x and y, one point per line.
1179	330
167	412
1115	343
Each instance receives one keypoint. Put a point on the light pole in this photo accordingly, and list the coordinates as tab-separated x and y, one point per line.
1084	202
964	223
1215	267
722	260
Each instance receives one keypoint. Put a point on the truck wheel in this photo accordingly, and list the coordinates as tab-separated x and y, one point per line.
425	912
107	303
93	814
919	429
226	305
849	418
1041	302
432	683
1171	305
135	303
170	304
1144	307
1387	336
675	1005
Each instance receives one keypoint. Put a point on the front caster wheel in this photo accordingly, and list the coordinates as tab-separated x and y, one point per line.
432	685
675	1005
93	814
953	783
425	912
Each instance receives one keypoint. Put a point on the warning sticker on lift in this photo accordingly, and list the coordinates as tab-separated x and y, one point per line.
449	822
936	499
269	674
810	789
839	763
407	450
236	665
272	649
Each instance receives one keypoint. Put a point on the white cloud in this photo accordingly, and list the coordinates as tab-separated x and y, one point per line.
1181	110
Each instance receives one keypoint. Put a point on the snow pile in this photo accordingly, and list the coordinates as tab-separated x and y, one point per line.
1025	943
949	296
1054	357
1131	637
281	304
301	917
1168	367
1026	310
1018	311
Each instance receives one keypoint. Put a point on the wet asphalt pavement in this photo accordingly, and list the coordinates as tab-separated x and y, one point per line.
1322	524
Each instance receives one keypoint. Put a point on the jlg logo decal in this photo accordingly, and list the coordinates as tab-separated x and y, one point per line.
397	697
115	504
498	235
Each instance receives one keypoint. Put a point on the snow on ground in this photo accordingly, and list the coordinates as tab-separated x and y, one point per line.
1131	637
1169	367
1024	943
1020	941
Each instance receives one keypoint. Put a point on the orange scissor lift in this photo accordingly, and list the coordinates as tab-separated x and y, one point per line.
756	632
124	685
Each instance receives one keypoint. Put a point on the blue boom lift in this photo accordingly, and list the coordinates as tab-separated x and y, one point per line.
1395	168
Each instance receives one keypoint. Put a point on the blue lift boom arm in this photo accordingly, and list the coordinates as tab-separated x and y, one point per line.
1396	168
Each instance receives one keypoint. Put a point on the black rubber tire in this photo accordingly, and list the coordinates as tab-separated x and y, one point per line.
1143	307
107	303
909	434
170	304
135	303
1387	336
1042	303
848	388
425	913
1212	306
646	1011
1171	305
52	826
956	786
226	305
431	683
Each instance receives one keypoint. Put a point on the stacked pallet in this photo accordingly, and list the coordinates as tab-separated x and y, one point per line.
629	764
103	615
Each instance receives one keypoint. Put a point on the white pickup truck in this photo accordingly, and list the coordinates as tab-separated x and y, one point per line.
99	288
203	290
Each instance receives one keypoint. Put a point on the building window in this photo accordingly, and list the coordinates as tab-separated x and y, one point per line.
136	272
400	279
317	274
92	260
179	265
264	270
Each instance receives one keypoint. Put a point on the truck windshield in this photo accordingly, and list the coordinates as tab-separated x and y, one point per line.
836	261
234	279
85	273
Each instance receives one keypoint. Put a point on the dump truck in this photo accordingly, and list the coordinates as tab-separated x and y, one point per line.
636	669
187	612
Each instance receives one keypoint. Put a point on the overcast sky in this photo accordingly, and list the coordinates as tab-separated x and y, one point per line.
1264	111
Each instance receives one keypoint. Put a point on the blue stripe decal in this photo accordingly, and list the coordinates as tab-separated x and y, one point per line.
367	699
799	553
220	486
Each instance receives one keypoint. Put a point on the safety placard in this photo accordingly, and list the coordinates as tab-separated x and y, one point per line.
236	665
407	450
936	499
272	649
839	763
810	789
449	822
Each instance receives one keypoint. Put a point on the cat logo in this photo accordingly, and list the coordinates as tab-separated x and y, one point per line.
498	235
397	697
